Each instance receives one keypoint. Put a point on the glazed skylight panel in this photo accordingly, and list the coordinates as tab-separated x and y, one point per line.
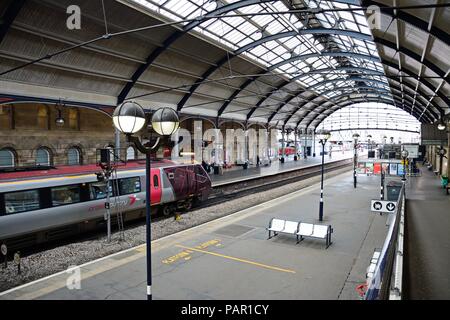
236	32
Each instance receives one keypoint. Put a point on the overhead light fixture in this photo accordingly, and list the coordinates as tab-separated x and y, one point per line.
59	119
441	125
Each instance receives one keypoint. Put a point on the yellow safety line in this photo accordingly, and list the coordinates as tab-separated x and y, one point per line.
237	259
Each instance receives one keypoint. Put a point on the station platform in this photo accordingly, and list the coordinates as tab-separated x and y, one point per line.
231	257
428	244
237	174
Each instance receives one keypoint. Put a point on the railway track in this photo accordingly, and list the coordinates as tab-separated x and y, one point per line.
48	258
227	192
220	194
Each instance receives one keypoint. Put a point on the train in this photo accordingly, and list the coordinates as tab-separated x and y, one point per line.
287	151
45	205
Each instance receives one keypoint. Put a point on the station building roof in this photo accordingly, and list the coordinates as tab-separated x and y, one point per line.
287	63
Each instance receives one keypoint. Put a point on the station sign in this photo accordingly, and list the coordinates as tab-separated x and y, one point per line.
413	150
383	206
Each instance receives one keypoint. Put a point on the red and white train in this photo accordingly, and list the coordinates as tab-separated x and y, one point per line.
38	206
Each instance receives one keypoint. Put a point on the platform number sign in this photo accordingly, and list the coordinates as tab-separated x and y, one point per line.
377	206
383	206
390	206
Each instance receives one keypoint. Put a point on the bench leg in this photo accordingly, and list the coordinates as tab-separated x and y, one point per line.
328	240
301	239
269	236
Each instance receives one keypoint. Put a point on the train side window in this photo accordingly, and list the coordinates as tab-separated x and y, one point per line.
2	204
129	185
155	181
97	190
65	195
21	201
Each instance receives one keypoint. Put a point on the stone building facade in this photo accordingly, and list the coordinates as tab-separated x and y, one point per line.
29	133
30	136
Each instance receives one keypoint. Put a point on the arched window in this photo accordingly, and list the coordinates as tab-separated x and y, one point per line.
131	153
73	156
42	157
7	158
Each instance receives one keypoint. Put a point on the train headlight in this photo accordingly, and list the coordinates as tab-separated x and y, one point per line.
129	117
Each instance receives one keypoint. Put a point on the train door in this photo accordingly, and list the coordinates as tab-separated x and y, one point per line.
177	178
203	183
155	183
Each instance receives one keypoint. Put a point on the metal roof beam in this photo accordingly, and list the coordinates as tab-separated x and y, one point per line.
411	19
325	54
9	16
413	56
175	36
369	72
329	31
432	114
300	57
347	103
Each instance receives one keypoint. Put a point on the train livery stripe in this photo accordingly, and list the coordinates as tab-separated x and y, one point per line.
61	178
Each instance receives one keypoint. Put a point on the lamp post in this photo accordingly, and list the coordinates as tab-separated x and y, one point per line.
355	156
369	142
404	156
323	136
129	118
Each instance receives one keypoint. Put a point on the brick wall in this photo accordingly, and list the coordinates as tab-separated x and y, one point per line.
27	127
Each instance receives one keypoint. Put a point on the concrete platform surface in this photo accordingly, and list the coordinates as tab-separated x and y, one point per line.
427	265
231	258
237	173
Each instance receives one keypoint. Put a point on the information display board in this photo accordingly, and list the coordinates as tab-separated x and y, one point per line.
400	169
413	150
361	169
393	169
377	168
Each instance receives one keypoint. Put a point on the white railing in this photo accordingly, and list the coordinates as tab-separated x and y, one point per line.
386	282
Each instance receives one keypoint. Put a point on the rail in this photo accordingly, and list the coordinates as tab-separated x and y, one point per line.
386	283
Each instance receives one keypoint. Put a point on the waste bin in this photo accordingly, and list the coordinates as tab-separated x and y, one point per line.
444	181
393	189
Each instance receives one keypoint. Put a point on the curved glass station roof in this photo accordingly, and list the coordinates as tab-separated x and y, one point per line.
288	63
296	45
370	116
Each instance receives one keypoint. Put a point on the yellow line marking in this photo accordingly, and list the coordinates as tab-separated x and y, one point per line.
237	259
